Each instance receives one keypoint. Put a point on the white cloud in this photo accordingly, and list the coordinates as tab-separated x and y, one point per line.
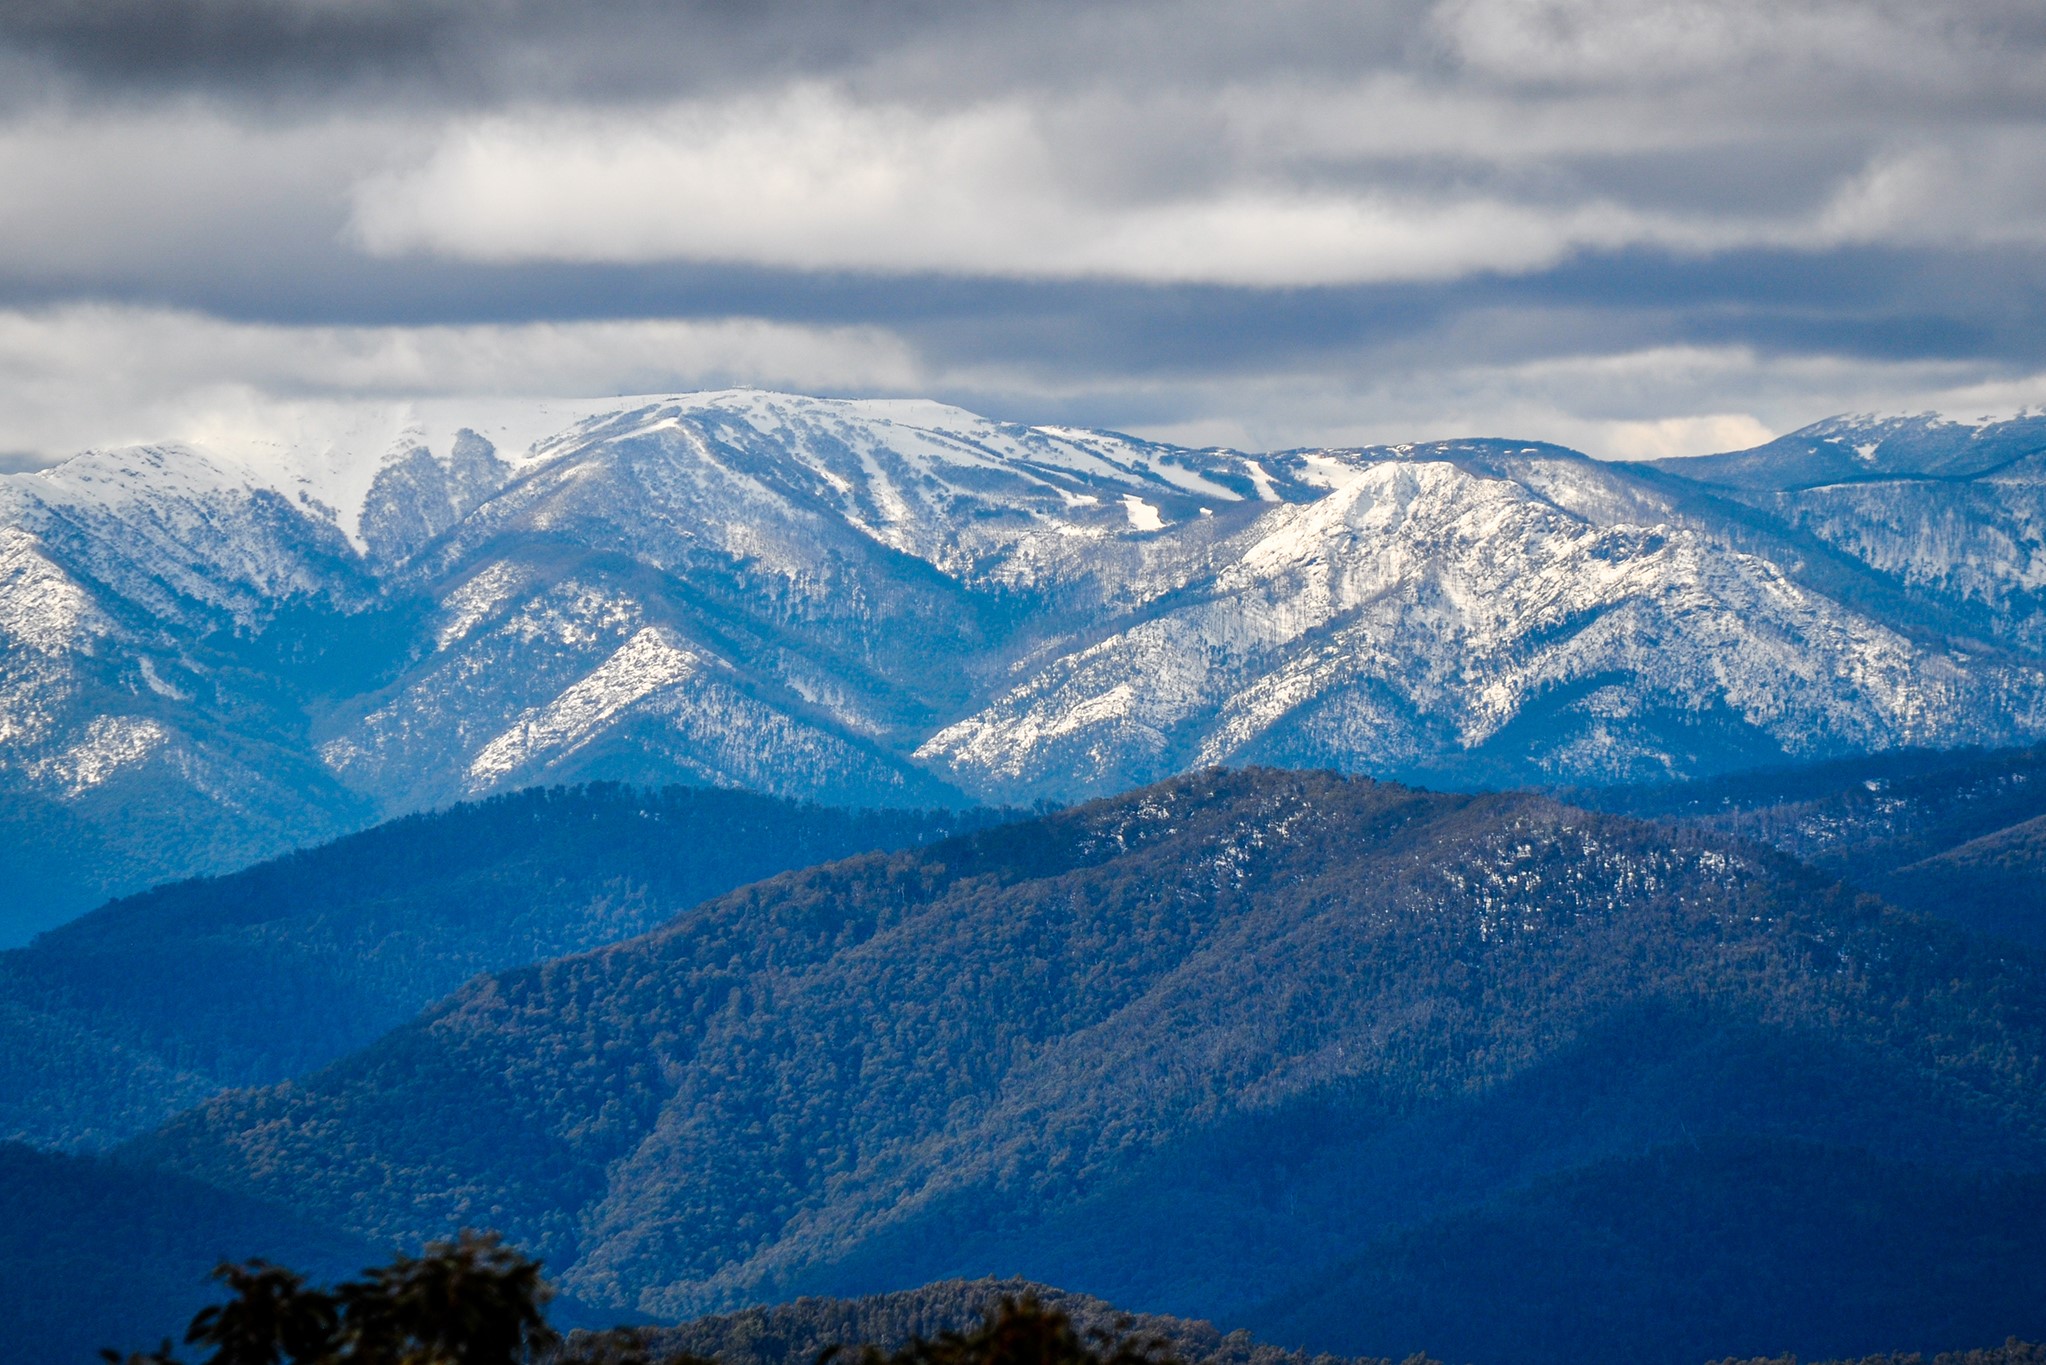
81	376
1472	136
151	190
87	375
1386	178
1986	188
811	180
1664	437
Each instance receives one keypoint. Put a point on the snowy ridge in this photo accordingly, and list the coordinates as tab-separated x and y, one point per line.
1862	447
893	600
646	663
1415	603
326	464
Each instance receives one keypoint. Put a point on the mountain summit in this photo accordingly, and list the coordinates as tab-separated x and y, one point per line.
212	656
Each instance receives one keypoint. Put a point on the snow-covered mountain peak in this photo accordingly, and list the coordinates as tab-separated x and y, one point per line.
744	468
1859	447
322	459
921	437
896	465
120	475
894	599
1926	419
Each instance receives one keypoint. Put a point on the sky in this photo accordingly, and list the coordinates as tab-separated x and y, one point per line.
1638	227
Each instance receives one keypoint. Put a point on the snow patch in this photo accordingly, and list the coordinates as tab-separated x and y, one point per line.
41	608
110	744
157	683
645	664
474	600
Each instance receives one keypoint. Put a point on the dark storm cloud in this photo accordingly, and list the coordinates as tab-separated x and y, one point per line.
461	49
1127	355
466	51
213	39
1876	304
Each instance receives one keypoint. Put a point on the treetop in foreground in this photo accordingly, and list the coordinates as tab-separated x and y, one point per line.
476	1301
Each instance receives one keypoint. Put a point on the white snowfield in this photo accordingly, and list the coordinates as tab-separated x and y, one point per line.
902	601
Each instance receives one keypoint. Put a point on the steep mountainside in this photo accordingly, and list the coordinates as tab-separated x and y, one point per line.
163	619
211	656
118	1019
99	1256
1958	835
1694	1251
1189	1050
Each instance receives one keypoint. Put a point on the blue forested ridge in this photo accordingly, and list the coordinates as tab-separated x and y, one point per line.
115	1020
99	1256
1209	1049
1960	835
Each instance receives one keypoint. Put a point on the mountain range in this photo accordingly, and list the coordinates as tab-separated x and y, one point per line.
637	826
113	1022
1335	1060
208	656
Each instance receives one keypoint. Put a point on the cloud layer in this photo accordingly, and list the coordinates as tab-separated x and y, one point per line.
1283	221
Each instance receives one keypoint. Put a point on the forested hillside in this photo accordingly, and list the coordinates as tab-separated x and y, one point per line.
112	1022
1960	835
1693	1250
98	1255
1193	1050
794	1333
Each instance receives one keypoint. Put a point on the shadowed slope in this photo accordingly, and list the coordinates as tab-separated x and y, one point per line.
1957	835
1694	1251
114	1021
102	1256
1189	1050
